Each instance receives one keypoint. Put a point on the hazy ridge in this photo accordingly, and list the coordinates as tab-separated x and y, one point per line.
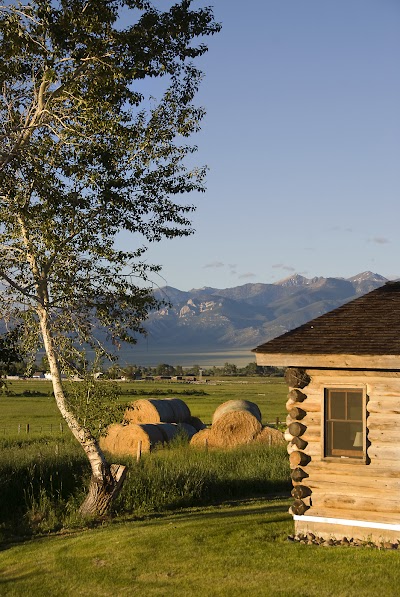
244	316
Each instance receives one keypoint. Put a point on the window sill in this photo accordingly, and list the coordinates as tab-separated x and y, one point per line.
345	460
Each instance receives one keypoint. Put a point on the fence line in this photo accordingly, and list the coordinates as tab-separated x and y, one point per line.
29	428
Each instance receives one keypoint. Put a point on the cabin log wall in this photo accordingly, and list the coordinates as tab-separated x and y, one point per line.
344	488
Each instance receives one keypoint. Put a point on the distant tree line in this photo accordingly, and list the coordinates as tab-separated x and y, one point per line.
165	370
12	363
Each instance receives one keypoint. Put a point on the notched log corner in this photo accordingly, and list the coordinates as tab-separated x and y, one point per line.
299	443
297	429
297	459
301	491
299	507
298	475
296	378
296	396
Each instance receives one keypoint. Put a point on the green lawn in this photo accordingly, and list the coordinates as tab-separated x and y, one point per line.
229	550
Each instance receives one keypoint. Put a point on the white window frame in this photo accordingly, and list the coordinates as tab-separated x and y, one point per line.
344	387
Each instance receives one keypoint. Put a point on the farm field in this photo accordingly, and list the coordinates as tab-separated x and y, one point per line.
230	550
187	522
44	471
31	402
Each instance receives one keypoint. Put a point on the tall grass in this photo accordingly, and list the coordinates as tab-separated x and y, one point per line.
43	481
180	477
38	479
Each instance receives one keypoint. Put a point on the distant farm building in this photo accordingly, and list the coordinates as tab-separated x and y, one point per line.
38	375
344	417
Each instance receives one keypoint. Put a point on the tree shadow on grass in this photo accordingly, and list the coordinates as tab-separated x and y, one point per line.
277	507
10	578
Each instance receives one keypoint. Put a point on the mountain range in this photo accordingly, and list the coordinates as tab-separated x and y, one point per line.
245	316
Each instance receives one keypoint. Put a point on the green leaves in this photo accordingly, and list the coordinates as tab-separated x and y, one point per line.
84	155
95	404
10	349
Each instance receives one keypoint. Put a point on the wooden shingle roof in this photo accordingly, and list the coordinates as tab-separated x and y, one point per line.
367	327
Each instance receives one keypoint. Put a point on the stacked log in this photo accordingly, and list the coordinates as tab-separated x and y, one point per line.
365	490
296	434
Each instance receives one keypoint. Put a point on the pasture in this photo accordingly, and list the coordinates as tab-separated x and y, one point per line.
31	403
187	522
44	472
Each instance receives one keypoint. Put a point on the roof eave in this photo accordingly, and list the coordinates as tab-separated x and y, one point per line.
329	361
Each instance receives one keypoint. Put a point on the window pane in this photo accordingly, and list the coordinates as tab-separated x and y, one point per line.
328	438
344	416
337	405
343	437
357	435
354	406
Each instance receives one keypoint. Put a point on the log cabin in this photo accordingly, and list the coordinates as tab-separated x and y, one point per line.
343	423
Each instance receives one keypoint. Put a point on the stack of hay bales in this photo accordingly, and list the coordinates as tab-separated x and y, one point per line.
236	423
271	437
124	439
148	423
169	410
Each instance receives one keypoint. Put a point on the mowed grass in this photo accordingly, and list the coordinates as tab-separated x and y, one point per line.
230	550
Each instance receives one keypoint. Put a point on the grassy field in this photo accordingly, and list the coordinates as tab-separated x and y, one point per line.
237	549
40	411
186	523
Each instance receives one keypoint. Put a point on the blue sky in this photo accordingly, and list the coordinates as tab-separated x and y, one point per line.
302	137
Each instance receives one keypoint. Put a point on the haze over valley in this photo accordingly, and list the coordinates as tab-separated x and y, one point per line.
229	322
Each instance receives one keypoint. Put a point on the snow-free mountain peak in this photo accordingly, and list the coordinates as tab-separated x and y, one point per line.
211	319
295	280
367	276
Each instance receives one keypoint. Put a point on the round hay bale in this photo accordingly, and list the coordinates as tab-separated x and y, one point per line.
128	438
237	405
270	436
109	442
180	409
169	430
235	428
200	439
150	411
196	423
189	430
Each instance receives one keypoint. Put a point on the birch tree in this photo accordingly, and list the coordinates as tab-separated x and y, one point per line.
84	155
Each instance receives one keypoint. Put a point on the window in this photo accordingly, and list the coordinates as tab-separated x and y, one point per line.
344	423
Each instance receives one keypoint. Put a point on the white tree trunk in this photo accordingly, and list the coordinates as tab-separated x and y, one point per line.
107	480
